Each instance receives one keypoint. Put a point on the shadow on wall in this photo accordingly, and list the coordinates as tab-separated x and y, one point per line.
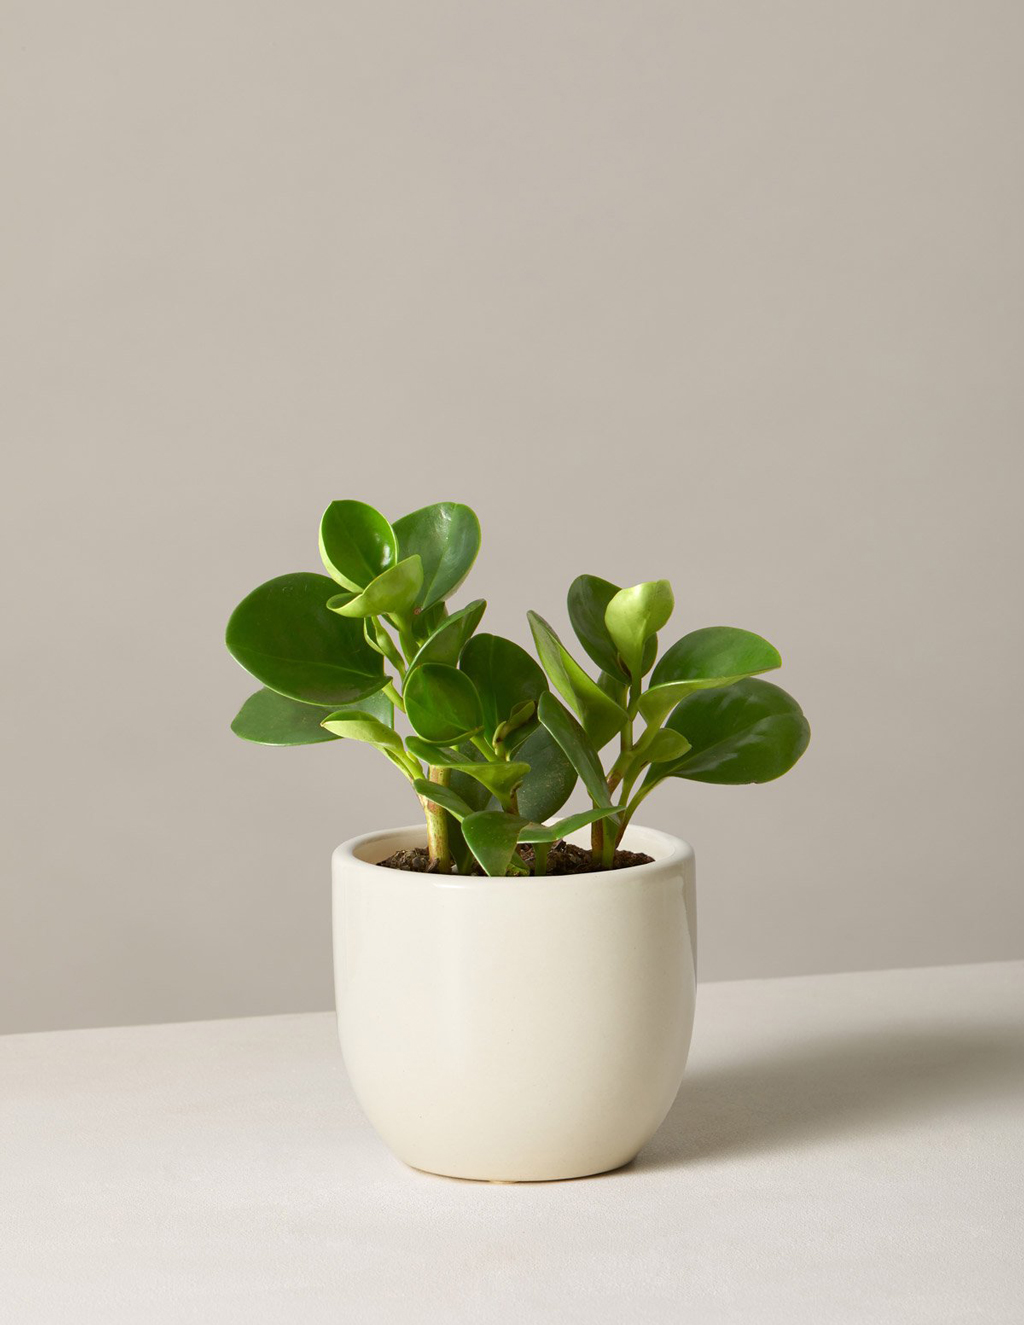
830	1088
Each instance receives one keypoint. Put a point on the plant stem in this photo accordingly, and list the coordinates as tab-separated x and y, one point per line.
394	696
540	858
485	749
387	644
437	823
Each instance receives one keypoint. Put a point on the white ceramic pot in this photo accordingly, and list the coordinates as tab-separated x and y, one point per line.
515	1030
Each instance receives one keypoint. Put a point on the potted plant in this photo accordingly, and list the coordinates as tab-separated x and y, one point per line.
515	995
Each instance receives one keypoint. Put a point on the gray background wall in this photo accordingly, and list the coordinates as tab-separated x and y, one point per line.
726	293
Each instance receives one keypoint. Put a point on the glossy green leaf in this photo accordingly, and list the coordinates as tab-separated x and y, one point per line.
393	591
601	716
446	797
442	704
272	719
587	601
356	725
492	837
356	544
634	616
576	746
665	745
703	660
504	675
446	642
501	778
549	783
751	731
283	634
535	832
446	538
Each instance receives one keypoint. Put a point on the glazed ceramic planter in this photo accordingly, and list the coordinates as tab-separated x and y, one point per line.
515	1030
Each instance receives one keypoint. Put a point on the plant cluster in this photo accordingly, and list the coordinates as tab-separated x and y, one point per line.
493	752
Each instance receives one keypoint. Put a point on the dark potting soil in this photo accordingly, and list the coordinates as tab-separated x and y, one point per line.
563	858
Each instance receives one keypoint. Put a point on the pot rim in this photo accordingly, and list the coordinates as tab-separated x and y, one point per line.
363	853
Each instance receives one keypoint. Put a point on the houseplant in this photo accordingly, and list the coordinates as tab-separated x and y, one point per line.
484	1006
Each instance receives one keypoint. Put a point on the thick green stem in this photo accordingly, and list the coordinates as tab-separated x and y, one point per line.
387	646
540	858
394	696
437	824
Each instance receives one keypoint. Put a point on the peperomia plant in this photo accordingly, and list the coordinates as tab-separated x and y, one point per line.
492	753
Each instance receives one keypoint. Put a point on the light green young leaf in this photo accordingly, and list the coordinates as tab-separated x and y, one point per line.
356	544
633	616
393	591
601	716
501	779
356	725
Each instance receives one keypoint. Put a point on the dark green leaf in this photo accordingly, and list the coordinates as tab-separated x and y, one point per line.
393	591
504	675
446	537
751	731
576	746
600	715
442	704
549	783
703	660
356	544
492	837
587	602
271	719
284	635
448	640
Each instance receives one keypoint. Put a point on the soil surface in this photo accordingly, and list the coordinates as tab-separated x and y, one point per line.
563	858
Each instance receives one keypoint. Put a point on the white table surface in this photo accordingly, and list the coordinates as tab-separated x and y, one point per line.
844	1148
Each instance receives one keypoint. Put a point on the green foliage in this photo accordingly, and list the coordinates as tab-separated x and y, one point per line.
493	754
446	538
286	638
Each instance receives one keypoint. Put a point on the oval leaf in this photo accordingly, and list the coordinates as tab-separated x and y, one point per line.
601	716
270	719
394	591
635	615
443	796
587	601
492	837
504	675
549	783
576	746
446	538
554	832
449	638
284	635
703	660
442	704
751	731
356	544
356	725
